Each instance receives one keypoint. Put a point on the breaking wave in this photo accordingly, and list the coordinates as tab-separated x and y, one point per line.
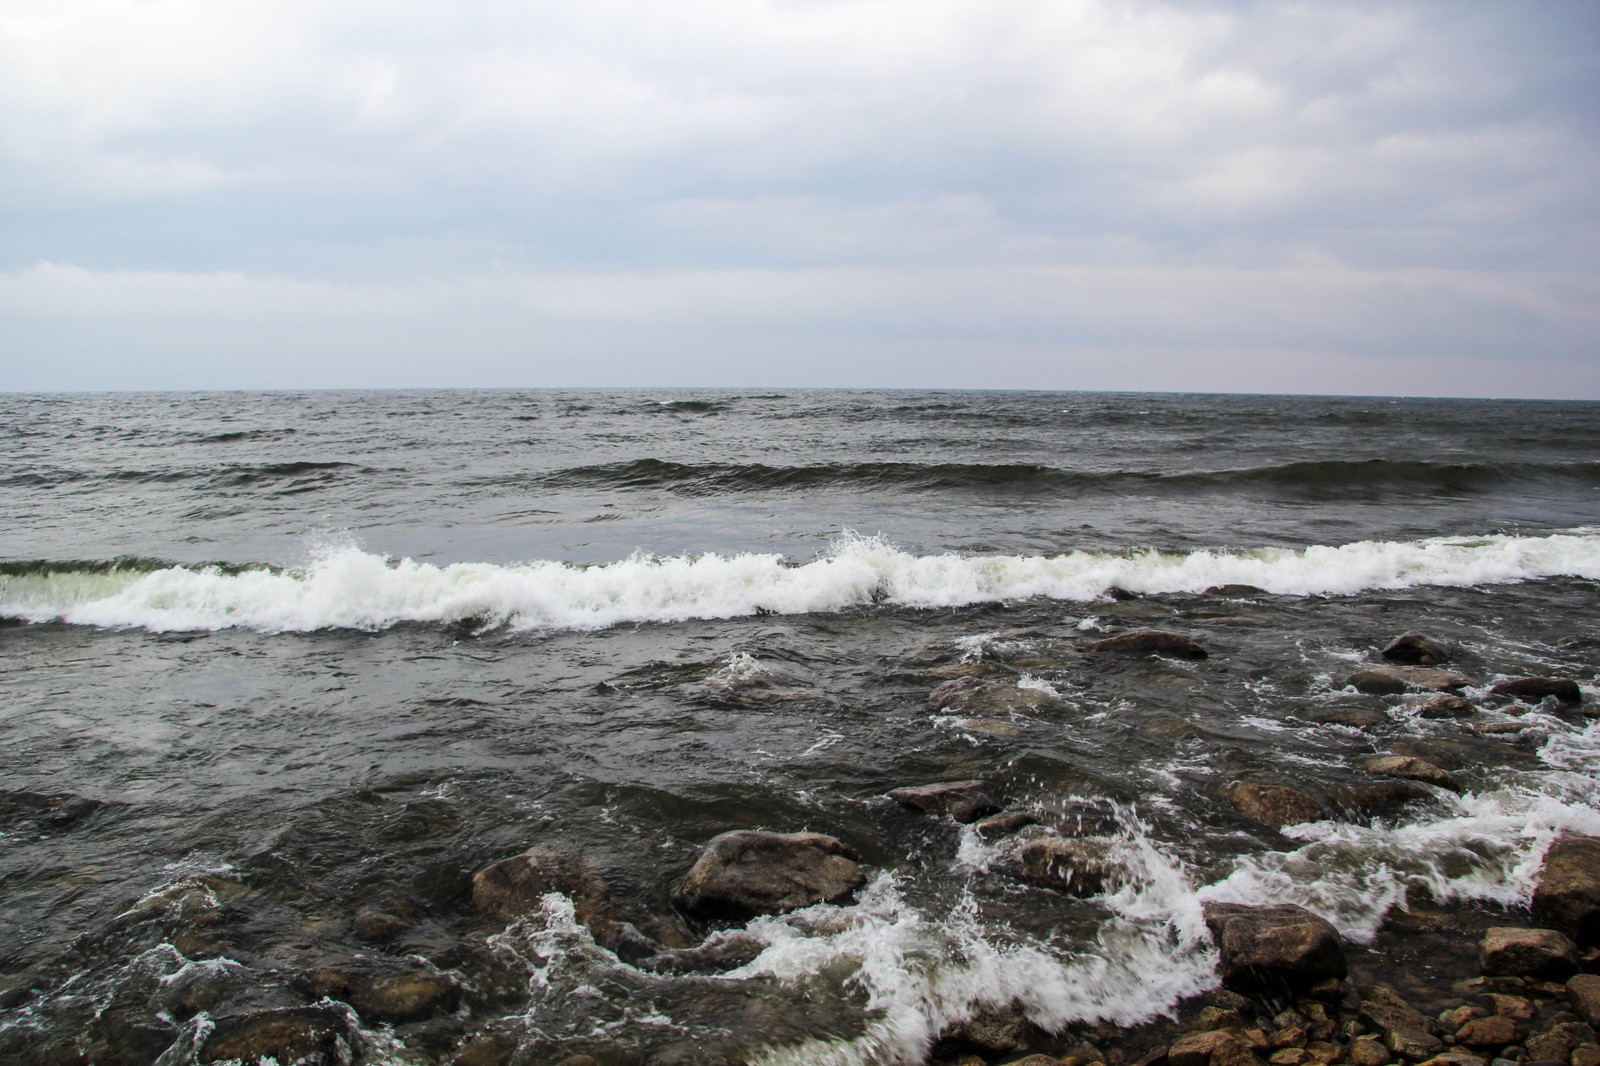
347	588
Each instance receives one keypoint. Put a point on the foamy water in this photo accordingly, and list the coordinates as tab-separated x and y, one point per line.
347	588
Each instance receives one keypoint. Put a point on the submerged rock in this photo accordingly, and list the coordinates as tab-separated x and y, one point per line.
1004	823
749	872
1148	642
1412	768
1378	798
965	801
1507	951
1535	689
1235	590
1267	948
1445	705
1078	866
299	1036
1394	680
1414	649
981	696
718	954
1568	895
1274	805
1354	717
514	887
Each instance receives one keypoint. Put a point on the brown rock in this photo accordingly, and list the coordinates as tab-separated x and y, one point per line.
749	872
1003	824
1148	642
1217	1018
1324	1052
1394	680
1414	649
1291	1035
1569	889
978	696
1517	1008
1584	992
1274	805
1559	1041
717	955
1296	1056
1411	768
1223	1047
965	801
514	887
1492	1032
373	924
1365	1051
1455	1057
1535	689
1079	866
992	1034
482	1051
298	1036
1444	705
1507	951
1269	947
1453	1020
1585	1055
1414	1045
1369	799
403	997
1035	1060
1354	717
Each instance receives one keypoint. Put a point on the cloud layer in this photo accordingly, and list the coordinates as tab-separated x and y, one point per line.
1066	194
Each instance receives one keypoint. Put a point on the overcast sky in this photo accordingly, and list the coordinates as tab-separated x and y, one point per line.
1074	194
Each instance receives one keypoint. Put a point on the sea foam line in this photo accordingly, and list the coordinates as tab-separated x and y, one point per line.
347	588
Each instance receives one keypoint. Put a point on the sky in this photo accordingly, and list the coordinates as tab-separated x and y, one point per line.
1357	198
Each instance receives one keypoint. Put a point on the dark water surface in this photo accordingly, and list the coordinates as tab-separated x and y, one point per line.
274	664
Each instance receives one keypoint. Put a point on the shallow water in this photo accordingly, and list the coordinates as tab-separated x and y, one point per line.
316	727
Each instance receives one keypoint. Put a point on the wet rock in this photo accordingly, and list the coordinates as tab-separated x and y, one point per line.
1218	1018
402	997
1265	948
992	1034
965	801
1411	768
1454	1058
1444	754
1148	642
1507	951
1495	1032
1414	649
1517	1008
1394	680
514	887
1294	1056
749	872
1003	824
1378	798
299	1036
1365	1051
1559	1041
1224	1047
1406	1031
1354	717
483	1051
1584	993
1535	689
1079	866
1568	895
1444	705
1274	805
1035	1060
718	954
201	986
1585	1055
979	696
1235	590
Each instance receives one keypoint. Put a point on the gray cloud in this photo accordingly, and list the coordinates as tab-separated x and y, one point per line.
680	190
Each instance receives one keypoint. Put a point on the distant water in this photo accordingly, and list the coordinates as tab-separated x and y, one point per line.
296	652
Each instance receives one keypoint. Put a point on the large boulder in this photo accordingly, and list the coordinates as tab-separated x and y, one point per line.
1078	866
1511	952
1148	642
1535	689
514	887
749	872
1268	948
1414	649
1394	680
965	801
1274	805
1568	895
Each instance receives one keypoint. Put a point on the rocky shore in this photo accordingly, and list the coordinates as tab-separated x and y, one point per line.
1443	984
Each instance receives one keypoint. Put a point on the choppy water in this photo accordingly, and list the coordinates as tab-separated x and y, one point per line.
302	653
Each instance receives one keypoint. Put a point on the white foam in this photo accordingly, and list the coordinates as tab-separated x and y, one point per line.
349	588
